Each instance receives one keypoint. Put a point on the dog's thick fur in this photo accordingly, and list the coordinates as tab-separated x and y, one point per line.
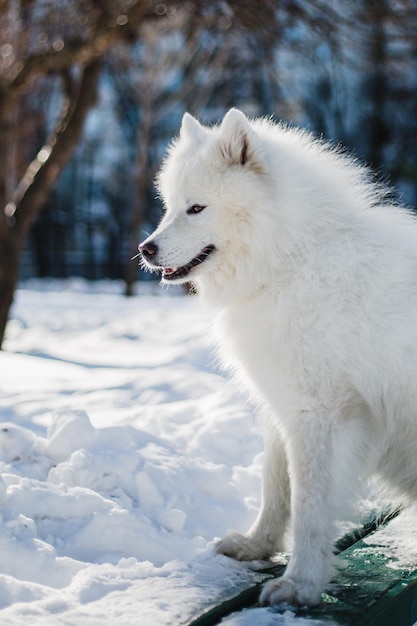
314	279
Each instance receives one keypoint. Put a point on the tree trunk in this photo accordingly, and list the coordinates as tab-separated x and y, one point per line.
32	192
379	130
9	270
142	181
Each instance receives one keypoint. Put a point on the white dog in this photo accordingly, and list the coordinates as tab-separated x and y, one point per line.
314	280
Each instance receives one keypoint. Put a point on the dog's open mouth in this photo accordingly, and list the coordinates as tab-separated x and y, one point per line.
174	273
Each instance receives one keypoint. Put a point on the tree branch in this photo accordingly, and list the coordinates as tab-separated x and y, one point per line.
108	31
42	173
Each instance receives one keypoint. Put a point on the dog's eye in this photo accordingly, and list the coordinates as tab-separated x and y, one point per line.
196	208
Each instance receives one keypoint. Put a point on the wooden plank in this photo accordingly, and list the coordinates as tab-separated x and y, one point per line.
372	589
368	592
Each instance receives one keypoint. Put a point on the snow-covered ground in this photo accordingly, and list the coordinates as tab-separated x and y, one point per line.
123	455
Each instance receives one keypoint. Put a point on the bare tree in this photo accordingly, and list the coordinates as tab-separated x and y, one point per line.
40	41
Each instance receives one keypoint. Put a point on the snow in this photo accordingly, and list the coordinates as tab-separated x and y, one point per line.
124	454
267	617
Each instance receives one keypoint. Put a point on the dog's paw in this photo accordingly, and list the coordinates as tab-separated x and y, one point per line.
242	548
292	591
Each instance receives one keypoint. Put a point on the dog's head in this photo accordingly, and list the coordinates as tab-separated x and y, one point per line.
209	183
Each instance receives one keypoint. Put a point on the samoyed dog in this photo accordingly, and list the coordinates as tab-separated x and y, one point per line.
312	275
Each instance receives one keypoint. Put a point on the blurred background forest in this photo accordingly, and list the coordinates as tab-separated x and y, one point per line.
92	91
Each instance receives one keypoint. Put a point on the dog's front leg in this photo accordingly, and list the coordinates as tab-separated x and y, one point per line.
313	495
265	537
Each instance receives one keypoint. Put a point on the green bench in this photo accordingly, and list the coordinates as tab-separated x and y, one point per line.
376	587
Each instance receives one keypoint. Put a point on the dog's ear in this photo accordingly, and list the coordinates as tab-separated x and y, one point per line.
237	138
191	129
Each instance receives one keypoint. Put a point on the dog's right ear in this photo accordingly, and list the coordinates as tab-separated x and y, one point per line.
191	129
238	140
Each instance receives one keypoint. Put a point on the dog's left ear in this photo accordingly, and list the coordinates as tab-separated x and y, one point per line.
237	138
191	129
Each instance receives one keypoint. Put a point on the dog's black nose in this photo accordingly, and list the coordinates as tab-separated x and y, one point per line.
148	249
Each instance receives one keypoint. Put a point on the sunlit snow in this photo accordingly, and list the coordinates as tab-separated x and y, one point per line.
123	454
